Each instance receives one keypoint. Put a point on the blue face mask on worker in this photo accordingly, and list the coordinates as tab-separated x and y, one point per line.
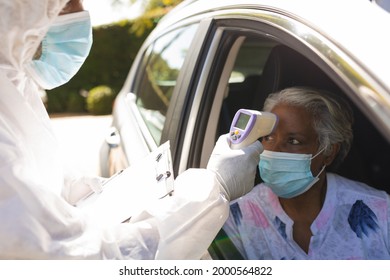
287	174
64	50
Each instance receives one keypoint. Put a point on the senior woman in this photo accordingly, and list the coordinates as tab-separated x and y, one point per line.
301	211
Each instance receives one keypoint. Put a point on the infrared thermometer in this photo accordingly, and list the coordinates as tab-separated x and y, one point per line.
250	125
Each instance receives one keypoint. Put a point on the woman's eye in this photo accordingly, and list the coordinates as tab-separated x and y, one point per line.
294	141
267	138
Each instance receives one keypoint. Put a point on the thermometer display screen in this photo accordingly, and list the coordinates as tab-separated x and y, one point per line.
242	121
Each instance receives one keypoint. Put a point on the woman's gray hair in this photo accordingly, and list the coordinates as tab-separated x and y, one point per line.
332	116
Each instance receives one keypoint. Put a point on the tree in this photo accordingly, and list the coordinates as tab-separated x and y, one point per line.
154	10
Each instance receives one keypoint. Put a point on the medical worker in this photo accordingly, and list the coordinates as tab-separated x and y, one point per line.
43	44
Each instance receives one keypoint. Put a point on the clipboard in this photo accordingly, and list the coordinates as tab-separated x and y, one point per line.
129	191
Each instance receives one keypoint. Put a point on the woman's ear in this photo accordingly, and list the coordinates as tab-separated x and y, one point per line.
335	148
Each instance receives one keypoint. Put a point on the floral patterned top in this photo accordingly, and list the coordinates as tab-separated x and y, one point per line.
353	224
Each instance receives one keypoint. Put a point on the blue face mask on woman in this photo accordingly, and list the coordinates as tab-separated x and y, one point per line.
287	174
64	50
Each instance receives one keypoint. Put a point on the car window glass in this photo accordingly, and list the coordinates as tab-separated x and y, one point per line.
166	57
244	78
250	59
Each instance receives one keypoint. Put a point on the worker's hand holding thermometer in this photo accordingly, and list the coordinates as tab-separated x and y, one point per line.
236	155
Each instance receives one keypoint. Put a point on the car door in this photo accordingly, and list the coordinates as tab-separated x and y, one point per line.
247	57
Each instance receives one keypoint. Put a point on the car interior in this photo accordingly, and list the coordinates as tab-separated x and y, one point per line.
368	159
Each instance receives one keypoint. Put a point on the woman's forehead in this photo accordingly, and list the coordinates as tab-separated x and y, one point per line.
294	119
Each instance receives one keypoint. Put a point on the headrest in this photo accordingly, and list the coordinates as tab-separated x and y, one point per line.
286	68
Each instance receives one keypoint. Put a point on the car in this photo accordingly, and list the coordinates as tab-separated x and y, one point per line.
207	59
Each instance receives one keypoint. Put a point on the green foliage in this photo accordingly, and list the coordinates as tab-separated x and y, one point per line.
100	100
154	11
112	54
56	101
75	103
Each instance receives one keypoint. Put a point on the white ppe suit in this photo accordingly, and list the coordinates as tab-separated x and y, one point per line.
36	217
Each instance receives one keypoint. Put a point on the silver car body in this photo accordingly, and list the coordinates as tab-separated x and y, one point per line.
345	40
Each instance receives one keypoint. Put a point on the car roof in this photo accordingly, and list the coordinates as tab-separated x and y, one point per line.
359	27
